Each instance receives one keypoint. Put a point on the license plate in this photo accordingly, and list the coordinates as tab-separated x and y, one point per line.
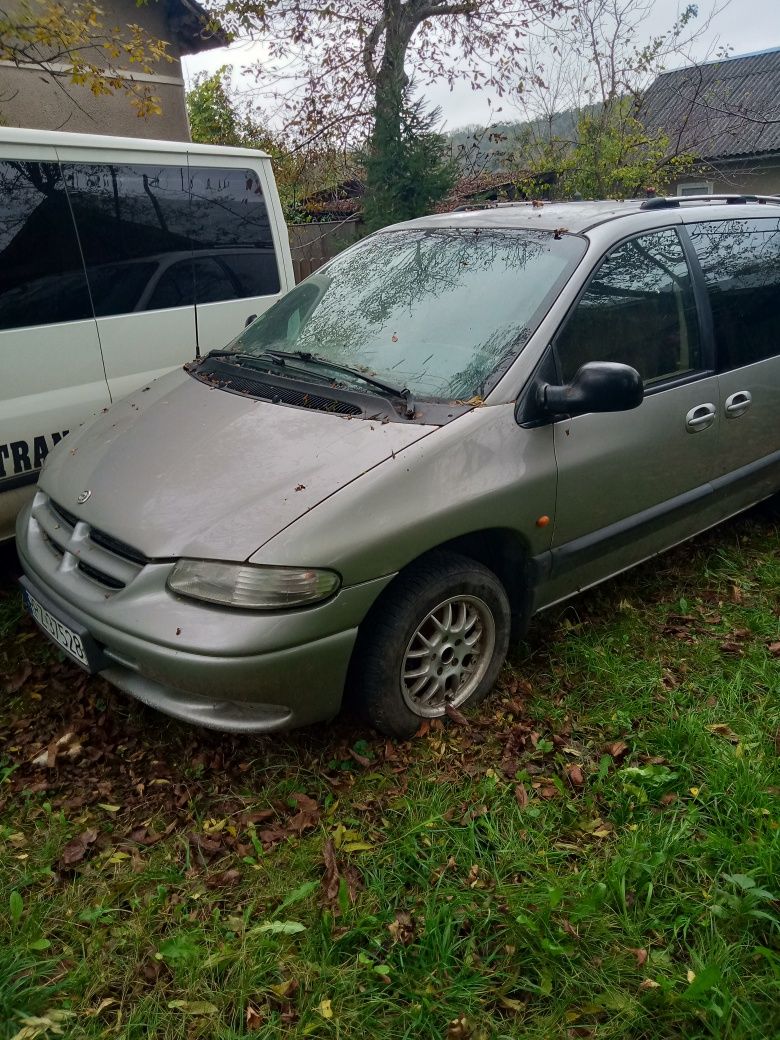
70	641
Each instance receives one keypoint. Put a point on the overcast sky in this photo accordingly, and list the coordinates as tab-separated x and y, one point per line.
746	25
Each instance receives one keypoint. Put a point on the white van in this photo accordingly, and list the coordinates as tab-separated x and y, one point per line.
120	259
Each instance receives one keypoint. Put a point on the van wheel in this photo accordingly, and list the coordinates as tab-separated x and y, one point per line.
439	636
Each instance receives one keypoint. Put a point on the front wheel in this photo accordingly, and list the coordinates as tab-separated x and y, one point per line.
438	636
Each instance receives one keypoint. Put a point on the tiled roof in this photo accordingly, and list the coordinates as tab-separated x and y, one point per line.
720	110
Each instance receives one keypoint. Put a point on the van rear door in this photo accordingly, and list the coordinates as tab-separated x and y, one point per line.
52	375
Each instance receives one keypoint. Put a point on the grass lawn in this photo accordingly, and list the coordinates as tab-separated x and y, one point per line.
595	853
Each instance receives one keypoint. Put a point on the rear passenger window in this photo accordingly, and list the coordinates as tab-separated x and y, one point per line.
741	264
638	310
135	220
42	279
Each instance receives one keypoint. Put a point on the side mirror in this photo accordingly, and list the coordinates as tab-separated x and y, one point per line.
599	386
249	320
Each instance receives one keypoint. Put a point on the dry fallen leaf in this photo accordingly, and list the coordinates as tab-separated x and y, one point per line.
641	956
330	881
457	717
722	730
617	748
325	1009
521	795
575	775
254	1020
75	850
648	984
402	928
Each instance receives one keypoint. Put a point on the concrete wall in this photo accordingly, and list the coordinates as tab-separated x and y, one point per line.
29	98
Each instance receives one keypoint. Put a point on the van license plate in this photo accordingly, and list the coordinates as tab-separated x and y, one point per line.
63	636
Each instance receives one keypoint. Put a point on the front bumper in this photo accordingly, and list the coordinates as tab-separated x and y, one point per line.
236	671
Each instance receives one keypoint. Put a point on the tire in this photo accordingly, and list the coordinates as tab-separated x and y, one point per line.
444	598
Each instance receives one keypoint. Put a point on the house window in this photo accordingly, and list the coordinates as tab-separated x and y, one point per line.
695	188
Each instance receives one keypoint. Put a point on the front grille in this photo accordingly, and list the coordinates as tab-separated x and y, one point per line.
56	549
100	576
99	557
63	514
127	552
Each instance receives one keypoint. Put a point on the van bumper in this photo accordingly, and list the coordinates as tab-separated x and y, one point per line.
243	672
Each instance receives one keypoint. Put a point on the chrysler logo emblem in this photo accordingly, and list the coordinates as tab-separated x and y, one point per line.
82	498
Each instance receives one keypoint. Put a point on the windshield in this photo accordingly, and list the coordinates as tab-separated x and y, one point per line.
434	311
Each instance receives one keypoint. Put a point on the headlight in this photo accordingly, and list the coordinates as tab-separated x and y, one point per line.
251	587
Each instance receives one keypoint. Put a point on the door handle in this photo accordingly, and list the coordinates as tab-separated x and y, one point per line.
737	404
700	417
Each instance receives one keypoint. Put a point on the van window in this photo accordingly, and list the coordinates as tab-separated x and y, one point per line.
151	213
741	264
638	310
42	280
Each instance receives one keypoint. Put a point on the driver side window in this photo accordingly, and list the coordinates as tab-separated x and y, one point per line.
638	310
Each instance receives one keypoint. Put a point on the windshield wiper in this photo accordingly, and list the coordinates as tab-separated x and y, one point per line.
281	358
386	388
256	361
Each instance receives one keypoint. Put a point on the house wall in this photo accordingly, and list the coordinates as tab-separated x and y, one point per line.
755	177
30	98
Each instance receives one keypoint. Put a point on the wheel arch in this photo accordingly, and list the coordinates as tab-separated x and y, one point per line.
502	550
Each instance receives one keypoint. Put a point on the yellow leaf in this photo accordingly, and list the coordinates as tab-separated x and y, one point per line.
109	808
357	846
325	1009
695	791
193	1007
690	975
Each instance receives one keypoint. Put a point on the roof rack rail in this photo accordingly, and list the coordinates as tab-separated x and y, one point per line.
673	201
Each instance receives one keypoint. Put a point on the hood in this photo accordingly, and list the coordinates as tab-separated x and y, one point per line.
184	469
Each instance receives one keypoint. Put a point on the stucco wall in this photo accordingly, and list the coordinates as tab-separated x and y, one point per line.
758	177
28	98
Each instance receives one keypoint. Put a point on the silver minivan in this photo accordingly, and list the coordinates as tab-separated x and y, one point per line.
456	423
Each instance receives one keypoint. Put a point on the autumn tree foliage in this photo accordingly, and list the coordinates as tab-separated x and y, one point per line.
597	63
75	44
343	70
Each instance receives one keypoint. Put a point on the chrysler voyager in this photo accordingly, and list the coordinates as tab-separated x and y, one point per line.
456	423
